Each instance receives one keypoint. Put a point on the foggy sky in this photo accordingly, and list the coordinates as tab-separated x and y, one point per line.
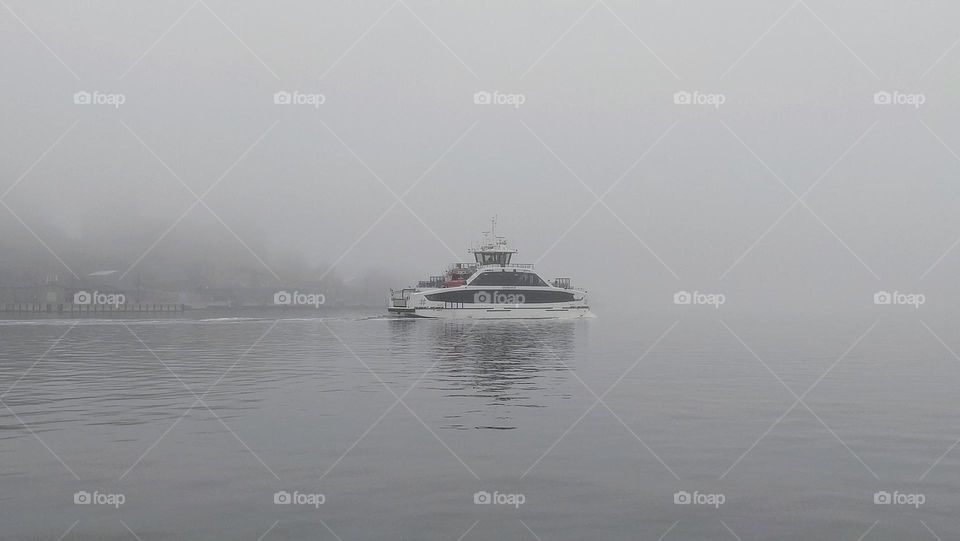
399	80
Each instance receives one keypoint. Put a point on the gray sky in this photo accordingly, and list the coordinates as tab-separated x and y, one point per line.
704	208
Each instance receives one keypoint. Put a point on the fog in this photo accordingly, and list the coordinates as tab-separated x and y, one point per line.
398	170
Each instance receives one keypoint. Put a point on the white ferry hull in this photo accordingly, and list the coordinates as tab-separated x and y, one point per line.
417	304
499	312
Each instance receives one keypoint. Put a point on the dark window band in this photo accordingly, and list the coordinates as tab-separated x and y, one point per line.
508	278
529	296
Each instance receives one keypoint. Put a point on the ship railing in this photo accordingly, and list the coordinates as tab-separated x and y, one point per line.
516	265
432	283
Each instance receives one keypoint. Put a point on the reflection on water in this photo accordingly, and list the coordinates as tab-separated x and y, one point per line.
505	363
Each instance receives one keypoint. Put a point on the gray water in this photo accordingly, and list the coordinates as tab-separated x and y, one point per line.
201	424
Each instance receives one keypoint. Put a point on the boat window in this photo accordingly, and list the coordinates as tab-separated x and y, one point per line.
493	258
527	279
466	296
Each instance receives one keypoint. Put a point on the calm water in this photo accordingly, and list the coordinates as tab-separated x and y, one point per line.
201	424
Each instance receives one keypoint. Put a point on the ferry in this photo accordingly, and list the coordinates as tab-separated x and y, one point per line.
490	287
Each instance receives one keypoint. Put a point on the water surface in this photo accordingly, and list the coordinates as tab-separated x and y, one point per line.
199	420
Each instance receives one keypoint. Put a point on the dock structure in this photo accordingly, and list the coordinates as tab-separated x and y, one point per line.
79	309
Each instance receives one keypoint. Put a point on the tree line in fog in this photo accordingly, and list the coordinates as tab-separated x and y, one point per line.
199	264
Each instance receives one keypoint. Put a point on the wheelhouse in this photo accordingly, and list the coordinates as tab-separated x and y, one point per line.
493	250
496	253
